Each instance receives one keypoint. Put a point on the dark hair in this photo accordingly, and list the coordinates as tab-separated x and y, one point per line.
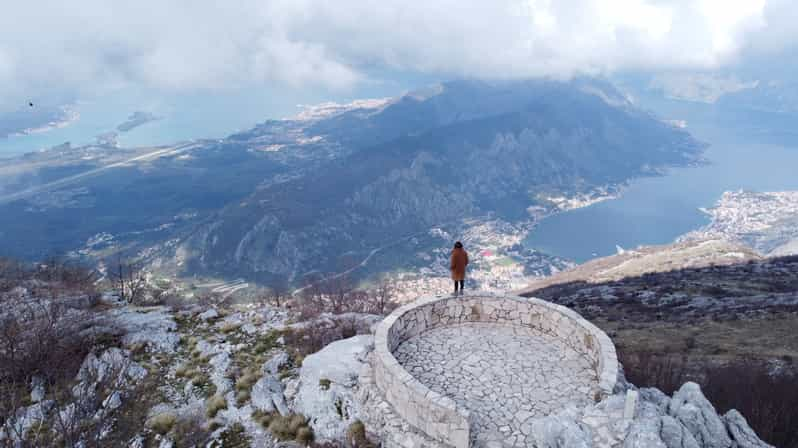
458	245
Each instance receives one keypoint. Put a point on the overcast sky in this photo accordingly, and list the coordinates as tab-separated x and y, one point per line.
73	47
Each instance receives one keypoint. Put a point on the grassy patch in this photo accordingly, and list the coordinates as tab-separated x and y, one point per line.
247	380
267	342
162	423
235	436
285	427
229	327
183	370
356	435
242	397
189	431
304	435
263	418
215	404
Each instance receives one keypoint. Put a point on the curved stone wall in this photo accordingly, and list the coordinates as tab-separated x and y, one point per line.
436	415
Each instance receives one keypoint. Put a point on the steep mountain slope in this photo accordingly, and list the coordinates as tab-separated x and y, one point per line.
321	192
530	141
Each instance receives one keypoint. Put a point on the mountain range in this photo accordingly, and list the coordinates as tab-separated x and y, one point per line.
320	192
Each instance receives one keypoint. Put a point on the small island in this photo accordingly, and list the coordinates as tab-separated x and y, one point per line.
137	119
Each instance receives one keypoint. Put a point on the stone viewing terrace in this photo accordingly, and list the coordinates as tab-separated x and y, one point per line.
476	370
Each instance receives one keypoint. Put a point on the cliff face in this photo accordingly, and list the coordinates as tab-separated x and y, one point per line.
480	149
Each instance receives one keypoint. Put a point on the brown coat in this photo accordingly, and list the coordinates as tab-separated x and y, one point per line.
459	263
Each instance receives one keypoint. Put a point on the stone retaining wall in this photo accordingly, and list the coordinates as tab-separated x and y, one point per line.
437	415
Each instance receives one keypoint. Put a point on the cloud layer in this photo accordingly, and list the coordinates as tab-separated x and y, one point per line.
51	46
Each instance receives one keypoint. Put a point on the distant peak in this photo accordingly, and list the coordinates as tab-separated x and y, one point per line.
330	108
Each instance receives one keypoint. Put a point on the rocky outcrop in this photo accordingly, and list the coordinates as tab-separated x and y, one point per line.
742	434
155	328
557	432
327	386
686	420
659	432
696	413
267	395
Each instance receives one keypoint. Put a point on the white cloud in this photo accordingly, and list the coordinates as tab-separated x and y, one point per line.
51	45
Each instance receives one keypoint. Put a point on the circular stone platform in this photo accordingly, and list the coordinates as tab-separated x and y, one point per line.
467	370
504	375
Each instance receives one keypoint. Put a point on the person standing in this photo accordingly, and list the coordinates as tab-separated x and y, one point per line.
458	265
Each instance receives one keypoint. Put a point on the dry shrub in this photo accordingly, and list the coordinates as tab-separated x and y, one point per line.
132	416
338	295
189	432
242	397
47	332
304	435
290	427
235	436
215	404
665	372
356	436
162	423
43	338
319	333
327	444
12	274
214	300
768	400
183	370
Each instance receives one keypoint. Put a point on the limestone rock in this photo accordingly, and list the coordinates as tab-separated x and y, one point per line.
741	433
659	432
272	366
209	314
156	328
558	432
644	433
37	389
675	434
622	384
220	363
267	395
330	404
23	419
112	401
696	413
656	397
113	361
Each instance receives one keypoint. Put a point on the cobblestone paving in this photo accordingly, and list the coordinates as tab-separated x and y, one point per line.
504	375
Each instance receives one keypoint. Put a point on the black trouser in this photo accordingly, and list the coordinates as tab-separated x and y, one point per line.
461	284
